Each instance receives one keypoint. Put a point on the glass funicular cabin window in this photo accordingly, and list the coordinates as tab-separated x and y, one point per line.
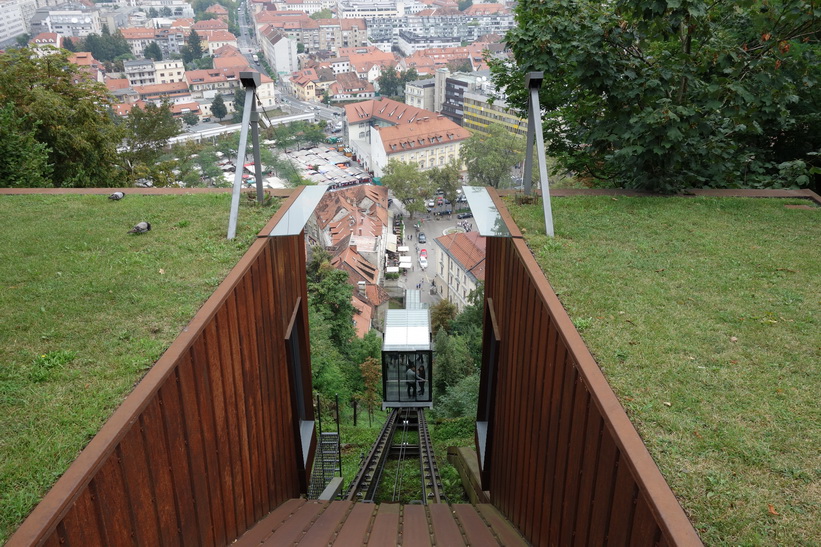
406	377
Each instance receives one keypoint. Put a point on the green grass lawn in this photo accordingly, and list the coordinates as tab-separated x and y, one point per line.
705	316
85	310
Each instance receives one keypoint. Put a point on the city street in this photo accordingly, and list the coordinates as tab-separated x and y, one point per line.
432	227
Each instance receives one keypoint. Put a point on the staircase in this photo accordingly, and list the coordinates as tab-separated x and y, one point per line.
326	464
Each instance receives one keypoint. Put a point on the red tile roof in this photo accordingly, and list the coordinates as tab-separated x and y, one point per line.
425	132
467	249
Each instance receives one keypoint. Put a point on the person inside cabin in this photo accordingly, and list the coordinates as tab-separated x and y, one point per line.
410	375
420	372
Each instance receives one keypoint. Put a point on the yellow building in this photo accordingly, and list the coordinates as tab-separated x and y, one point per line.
479	114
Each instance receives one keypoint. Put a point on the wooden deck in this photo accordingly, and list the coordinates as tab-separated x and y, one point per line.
320	523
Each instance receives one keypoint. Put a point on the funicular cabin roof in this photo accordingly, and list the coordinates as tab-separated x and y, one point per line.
407	330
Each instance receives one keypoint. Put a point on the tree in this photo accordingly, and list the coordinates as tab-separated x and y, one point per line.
408	185
300	47
19	148
464	4
165	11
194	45
239	104
446	179
330	296
668	95
148	130
322	14
372	376
441	314
69	115
190	118
490	158
451	362
68	44
153	51
153	13
218	107
460	65
388	81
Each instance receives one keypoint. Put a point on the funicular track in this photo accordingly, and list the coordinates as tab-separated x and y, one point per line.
393	444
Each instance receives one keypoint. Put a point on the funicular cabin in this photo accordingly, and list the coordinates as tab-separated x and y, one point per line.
406	356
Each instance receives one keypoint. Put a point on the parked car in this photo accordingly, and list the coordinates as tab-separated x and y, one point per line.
423	262
423	253
422	238
464	215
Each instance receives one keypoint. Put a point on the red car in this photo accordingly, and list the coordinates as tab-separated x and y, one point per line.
423	253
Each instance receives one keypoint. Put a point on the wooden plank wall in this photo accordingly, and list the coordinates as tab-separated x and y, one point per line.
205	445
566	465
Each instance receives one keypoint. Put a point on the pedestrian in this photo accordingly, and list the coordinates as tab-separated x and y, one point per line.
422	378
410	378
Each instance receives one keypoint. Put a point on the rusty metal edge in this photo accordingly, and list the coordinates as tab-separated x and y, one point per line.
59	499
662	501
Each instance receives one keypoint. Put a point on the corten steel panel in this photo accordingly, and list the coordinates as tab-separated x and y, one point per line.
204	446
566	464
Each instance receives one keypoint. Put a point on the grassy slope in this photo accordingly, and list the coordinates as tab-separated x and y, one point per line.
705	316
85	309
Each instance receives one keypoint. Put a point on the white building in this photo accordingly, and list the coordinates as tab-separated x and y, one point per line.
12	23
166	72
428	142
278	50
369	9
461	266
67	20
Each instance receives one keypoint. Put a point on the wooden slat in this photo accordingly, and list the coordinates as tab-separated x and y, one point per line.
178	457
385	530
624	504
445	529
213	470
415	527
196	451
324	529
113	506
263	529
159	466
294	528
603	491
476	530
81	525
565	423
504	531
138	486
576	448
236	416
357	525
644	531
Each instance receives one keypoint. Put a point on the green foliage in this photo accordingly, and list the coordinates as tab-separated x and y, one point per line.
106	47
451	362
460	400
330	295
322	14
371	370
153	51
218	108
490	158
441	314
460	65
190	118
23	160
147	132
392	83
68	44
408	184
446	179
669	95
70	116
464	4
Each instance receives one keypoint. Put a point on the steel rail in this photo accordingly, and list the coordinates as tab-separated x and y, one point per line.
431	483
